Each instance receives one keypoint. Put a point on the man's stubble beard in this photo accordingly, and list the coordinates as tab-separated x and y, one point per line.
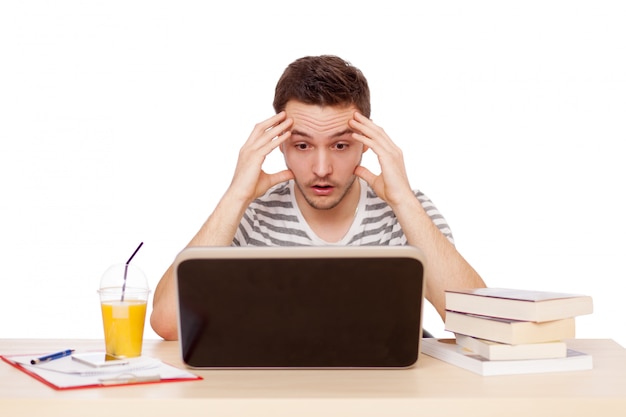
334	204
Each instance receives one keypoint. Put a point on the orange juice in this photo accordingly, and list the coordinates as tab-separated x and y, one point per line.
123	327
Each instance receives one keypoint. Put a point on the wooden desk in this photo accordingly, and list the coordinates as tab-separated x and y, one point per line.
432	387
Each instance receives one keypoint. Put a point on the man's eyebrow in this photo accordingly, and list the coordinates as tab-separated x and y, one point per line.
343	133
296	132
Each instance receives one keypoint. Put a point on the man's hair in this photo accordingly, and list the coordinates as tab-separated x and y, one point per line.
324	80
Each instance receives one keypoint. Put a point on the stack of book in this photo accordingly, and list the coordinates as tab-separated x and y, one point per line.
505	331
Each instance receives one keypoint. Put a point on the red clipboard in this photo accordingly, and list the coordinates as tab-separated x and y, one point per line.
161	373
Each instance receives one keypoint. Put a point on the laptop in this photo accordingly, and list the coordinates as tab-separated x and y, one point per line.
300	307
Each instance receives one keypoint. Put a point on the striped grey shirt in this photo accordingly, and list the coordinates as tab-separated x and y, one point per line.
275	220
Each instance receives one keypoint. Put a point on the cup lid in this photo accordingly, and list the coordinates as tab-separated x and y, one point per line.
119	274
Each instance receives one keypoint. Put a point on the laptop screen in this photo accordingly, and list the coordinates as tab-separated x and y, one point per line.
300	307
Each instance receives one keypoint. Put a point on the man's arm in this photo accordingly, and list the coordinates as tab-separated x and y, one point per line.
218	230
249	182
445	267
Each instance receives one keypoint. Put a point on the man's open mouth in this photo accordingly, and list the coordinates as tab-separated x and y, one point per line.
322	189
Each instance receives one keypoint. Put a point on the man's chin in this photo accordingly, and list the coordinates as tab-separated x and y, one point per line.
321	203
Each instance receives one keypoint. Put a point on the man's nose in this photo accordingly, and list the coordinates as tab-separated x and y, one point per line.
322	165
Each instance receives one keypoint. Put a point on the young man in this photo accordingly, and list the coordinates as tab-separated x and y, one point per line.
325	196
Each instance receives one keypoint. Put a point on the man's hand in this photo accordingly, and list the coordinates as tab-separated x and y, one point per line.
249	180
392	184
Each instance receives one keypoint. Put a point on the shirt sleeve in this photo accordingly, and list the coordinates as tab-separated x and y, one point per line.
435	215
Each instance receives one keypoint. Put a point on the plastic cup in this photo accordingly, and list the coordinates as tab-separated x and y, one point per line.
123	309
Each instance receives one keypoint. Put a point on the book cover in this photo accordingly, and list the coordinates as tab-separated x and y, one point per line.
513	332
526	305
495	351
448	351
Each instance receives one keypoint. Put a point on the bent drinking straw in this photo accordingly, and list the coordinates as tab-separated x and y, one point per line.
126	269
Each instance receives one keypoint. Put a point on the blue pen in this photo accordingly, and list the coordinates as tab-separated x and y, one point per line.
52	356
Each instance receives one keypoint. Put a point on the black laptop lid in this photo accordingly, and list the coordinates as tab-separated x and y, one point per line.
314	307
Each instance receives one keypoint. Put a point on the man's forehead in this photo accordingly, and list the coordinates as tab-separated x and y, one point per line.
310	118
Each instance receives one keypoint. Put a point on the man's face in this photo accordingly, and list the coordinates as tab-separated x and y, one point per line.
321	152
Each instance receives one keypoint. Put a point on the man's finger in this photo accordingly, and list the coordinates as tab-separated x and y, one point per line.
366	174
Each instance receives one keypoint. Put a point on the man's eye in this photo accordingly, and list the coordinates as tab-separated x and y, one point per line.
341	146
301	146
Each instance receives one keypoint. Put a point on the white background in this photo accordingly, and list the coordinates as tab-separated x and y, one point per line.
120	122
